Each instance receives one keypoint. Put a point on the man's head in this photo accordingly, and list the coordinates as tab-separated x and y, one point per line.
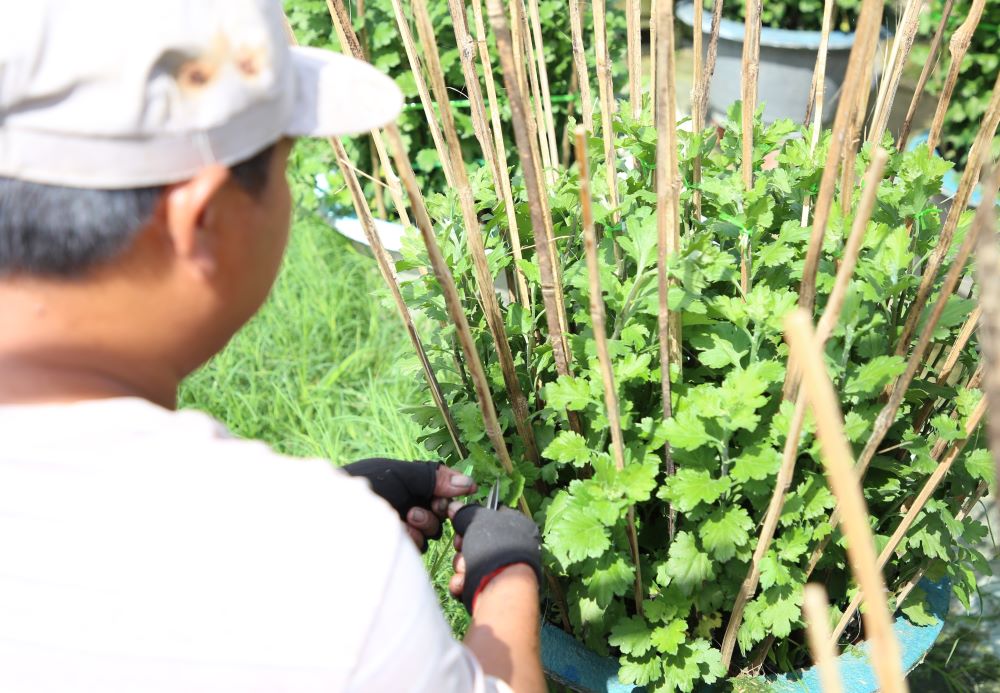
144	207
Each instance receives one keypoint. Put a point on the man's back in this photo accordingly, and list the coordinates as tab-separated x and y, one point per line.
147	549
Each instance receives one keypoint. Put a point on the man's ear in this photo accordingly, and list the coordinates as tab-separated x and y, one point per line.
186	209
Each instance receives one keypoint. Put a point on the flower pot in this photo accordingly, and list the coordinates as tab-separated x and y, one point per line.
568	662
787	61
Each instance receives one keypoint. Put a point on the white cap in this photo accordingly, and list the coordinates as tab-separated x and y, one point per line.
131	93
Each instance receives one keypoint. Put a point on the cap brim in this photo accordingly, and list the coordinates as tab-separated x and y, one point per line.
338	95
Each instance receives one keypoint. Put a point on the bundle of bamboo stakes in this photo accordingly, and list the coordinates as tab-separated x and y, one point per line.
516	30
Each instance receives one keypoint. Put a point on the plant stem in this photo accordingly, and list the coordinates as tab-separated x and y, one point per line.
905	33
580	64
948	367
817	93
699	99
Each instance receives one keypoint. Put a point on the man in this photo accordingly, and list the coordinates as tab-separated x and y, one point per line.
144	211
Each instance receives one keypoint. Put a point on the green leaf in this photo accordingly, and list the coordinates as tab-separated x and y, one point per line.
979	465
687	566
639	672
568	393
572	533
721	354
666	639
725	531
757	463
870	378
608	578
568	448
632	636
689	487
916	611
685	430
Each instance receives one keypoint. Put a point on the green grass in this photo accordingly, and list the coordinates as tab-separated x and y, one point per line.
324	370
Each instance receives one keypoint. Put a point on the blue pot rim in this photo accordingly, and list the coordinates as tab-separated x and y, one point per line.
774	38
569	662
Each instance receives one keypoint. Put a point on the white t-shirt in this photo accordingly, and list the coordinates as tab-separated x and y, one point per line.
148	550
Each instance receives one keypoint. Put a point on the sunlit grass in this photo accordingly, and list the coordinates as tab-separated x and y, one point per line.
324	370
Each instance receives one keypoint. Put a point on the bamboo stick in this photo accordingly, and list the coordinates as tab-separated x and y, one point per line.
855	80
839	466
748	88
970	503
501	152
607	106
699	101
925	73
416	69
601	340
988	275
653	13
979	151
958	46
634	56
538	203
580	64
817	95
817	90
887	416
543	76
454	305
901	46
816	610
915	508
697	60
783	481
474	237
519	17
349	40
667	215
948	367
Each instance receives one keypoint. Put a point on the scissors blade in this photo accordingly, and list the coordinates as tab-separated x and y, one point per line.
493	500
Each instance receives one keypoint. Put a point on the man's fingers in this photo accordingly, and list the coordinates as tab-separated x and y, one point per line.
418	537
450	483
458	542
424	521
454	507
458	564
440	507
455	585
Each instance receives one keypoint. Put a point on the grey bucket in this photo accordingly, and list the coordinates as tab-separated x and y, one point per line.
787	60
568	662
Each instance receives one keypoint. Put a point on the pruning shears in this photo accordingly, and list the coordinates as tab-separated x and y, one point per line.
493	499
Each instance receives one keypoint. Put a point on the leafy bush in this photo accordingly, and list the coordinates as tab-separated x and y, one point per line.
975	81
729	421
378	31
805	15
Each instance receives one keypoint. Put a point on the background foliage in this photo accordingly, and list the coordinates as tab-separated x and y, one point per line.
806	15
975	82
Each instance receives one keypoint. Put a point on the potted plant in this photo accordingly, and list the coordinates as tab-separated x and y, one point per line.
729	420
789	43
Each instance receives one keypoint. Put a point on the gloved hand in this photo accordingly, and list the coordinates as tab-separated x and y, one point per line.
489	541
418	491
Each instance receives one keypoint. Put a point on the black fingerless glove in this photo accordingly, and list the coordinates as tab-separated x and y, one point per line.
492	540
404	485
